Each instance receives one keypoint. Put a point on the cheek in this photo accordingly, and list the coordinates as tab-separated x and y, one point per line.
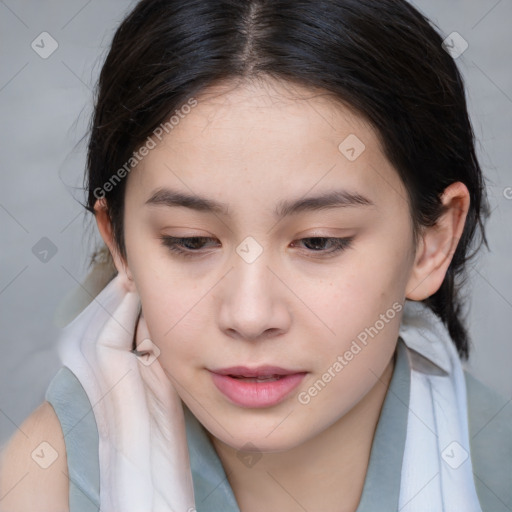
362	288
362	307
173	315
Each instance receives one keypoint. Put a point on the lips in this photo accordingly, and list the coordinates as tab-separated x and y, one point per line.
263	386
269	378
258	372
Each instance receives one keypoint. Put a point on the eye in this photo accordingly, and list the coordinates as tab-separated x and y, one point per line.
192	246
317	244
185	246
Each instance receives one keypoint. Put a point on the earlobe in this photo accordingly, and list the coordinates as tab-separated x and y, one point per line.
438	243
105	228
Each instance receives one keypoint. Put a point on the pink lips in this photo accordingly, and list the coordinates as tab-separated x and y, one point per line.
256	387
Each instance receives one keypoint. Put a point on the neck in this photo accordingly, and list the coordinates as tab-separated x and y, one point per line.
325	473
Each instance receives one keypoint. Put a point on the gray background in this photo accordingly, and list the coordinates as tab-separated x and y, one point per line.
45	106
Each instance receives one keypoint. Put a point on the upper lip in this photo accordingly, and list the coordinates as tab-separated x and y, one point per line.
259	371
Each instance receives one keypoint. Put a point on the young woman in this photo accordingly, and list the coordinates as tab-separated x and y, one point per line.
289	192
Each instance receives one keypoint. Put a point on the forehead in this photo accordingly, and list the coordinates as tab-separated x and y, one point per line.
265	139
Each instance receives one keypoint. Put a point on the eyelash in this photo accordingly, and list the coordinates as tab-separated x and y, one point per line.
175	244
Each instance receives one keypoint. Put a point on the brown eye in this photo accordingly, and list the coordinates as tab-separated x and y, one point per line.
317	244
185	246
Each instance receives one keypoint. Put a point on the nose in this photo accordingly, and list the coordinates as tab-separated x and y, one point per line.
255	304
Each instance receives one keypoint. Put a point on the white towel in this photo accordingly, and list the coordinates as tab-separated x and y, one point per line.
143	453
437	473
144	461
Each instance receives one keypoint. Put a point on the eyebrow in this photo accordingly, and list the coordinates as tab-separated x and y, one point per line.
330	199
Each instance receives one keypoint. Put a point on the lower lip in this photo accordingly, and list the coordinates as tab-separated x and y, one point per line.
256	394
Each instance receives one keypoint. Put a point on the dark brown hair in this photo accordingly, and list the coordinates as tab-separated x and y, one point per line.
382	57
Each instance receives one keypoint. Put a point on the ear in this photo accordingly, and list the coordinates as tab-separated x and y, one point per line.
437	244
106	231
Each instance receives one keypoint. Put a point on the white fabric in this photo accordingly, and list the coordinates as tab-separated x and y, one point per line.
437	473
144	460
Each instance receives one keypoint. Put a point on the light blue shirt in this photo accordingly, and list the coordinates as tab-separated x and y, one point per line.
490	427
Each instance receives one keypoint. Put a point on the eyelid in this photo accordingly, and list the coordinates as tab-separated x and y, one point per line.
340	244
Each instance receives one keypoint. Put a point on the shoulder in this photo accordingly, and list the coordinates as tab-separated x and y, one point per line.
490	432
33	465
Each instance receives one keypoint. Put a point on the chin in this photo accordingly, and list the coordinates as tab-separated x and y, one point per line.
262	437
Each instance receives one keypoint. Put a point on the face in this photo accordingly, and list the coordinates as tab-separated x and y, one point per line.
266	284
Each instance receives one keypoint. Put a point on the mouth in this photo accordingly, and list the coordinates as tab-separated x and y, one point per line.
264	386
270	378
259	372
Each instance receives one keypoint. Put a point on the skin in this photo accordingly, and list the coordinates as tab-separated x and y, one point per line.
251	147
26	485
